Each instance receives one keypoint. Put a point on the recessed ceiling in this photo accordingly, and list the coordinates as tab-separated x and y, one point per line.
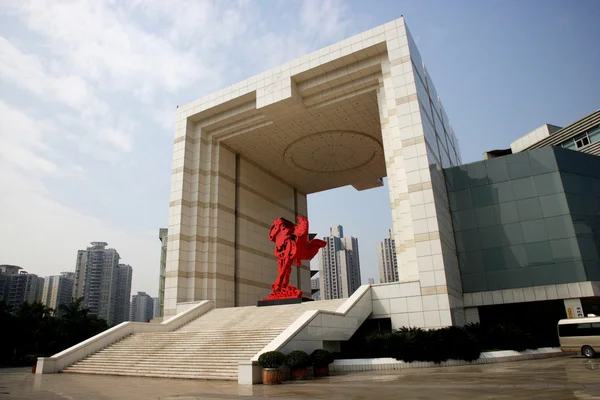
316	149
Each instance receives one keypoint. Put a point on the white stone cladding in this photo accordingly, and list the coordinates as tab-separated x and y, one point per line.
262	145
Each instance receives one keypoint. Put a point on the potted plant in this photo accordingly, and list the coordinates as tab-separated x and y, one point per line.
320	359
270	363
298	361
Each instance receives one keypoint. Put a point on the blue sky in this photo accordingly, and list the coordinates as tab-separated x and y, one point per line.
88	92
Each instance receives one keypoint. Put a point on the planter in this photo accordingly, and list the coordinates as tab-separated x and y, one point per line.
321	370
271	376
299	374
33	367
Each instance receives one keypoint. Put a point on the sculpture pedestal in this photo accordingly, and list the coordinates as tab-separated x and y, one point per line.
282	302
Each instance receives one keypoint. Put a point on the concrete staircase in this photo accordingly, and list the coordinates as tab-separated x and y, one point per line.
209	347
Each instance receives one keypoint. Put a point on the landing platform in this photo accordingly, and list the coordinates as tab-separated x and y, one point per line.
282	302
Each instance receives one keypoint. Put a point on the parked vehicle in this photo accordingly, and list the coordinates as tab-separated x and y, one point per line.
580	335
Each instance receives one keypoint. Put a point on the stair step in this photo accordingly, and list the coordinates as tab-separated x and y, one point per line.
209	347
195	357
179	363
171	368
203	376
181	350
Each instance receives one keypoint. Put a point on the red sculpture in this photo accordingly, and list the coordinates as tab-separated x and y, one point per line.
291	247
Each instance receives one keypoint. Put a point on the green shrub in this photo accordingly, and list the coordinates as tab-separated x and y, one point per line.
271	359
321	358
458	344
379	345
509	337
408	344
297	359
416	344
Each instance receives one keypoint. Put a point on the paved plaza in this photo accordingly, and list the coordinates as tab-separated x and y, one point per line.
559	378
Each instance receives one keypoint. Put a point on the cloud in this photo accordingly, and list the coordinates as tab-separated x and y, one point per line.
87	107
43	236
118	139
324	19
21	142
106	45
29	72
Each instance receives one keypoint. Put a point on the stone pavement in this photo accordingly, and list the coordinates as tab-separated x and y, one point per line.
560	378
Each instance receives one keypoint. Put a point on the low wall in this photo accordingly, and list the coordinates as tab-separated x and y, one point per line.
59	361
377	364
313	328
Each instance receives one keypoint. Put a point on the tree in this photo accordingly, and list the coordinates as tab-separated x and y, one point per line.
36	328
34	331
76	325
7	334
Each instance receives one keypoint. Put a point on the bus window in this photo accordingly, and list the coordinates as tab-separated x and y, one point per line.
567	330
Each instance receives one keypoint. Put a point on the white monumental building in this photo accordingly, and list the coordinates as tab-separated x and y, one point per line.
142	307
349	114
388	263
58	289
339	265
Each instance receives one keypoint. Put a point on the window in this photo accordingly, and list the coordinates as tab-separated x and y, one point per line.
592	135
569	144
582	140
568	330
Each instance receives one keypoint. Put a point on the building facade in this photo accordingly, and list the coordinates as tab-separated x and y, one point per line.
142	307
155	308
348	114
104	284
124	277
582	135
163	235
339	265
17	286
388	264
58	289
315	287
527	230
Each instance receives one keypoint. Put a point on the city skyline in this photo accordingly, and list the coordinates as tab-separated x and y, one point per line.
74	176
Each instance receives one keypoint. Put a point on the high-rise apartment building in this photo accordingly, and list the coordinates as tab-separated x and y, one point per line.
17	287
79	273
339	265
371	281
123	292
388	264
315	287
58	289
104	284
142	307
163	234
155	309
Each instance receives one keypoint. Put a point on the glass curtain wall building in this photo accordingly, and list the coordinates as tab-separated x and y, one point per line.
527	229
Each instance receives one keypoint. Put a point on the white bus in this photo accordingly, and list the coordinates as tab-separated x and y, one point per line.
580	335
